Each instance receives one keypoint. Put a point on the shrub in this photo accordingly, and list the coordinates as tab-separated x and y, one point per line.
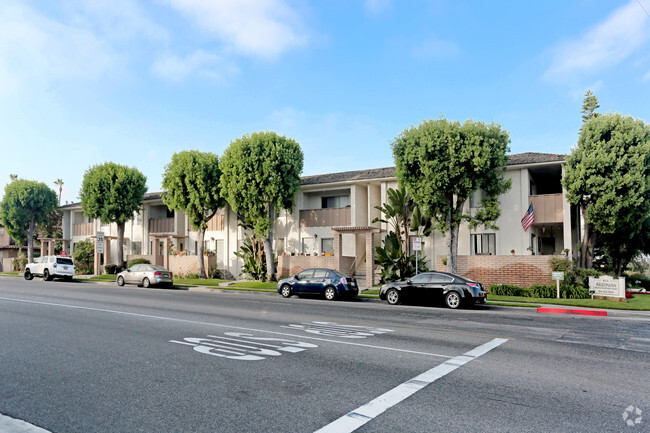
638	280
215	273
507	290
111	269
559	264
192	276
567	291
139	261
19	263
84	253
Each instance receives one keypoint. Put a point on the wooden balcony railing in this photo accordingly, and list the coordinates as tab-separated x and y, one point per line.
548	208
216	223
161	225
330	217
84	229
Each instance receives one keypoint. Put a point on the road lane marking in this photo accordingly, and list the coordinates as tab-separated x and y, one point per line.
245	347
9	424
369	411
333	329
195	322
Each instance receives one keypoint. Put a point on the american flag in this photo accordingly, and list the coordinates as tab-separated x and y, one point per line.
529	218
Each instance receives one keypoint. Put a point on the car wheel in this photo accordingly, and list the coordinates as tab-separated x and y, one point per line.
46	275
452	299
28	275
285	291
393	296
330	293
146	283
120	281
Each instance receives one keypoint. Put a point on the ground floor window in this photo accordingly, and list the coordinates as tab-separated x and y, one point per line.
484	243
327	245
308	245
136	248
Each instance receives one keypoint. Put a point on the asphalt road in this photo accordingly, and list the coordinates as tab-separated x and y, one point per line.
87	357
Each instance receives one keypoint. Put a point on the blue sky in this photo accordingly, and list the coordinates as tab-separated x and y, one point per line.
84	82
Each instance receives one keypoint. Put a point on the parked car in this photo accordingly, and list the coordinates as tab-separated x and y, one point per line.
50	267
317	281
145	275
430	286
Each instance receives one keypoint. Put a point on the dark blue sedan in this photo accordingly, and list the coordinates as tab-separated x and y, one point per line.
317	281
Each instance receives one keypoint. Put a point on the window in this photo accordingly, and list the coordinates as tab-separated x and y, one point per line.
308	245
321	273
305	274
440	278
475	198
332	202
279	246
483	244
220	251
170	213
136	248
327	245
421	279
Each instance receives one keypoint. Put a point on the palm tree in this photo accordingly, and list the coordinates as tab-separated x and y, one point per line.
60	183
13	177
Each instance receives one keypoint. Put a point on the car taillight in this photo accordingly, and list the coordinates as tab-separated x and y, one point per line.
157	273
476	286
54	265
344	280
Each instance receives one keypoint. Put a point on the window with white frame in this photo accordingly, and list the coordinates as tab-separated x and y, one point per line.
483	244
327	245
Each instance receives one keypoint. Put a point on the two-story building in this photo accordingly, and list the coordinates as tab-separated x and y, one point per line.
331	225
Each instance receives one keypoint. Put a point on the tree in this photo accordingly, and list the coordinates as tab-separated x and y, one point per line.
84	253
13	177
26	203
607	176
404	218
59	183
261	175
51	227
589	106
112	193
441	163
191	181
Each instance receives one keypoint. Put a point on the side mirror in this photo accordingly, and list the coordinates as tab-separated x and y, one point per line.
408	281
296	277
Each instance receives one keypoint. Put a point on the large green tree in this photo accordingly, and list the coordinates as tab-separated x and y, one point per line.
192	184
261	175
112	193
608	177
26	204
442	163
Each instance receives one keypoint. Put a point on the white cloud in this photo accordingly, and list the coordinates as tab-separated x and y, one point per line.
202	63
258	28
432	49
33	46
376	7
605	45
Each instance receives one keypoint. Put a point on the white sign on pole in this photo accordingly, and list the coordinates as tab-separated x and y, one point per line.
607	286
417	244
100	242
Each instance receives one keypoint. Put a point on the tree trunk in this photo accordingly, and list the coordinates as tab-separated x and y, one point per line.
31	228
451	239
268	247
201	233
120	243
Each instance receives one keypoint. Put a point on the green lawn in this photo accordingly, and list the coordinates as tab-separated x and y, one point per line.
13	274
103	277
255	285
197	282
639	302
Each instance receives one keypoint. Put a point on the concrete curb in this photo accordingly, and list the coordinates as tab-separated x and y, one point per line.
570	311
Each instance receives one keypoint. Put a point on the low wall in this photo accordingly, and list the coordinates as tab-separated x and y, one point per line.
184	265
522	271
154	260
290	265
7	265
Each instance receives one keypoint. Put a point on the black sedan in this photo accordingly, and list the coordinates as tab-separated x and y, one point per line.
431	286
317	281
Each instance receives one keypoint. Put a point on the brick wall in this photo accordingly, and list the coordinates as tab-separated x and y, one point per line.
522	271
290	265
190	264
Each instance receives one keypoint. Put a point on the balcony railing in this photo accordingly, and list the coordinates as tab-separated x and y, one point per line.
83	229
161	225
329	217
548	208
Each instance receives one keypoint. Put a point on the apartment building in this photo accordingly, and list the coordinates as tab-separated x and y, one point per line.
331	224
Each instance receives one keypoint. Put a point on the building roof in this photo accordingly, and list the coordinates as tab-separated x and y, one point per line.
389	172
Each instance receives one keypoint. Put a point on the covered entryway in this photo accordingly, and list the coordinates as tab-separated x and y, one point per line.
369	256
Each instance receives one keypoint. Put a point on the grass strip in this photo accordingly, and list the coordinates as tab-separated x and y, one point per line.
638	302
255	285
512	304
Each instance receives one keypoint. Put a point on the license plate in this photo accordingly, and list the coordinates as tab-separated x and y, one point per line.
165	275
65	268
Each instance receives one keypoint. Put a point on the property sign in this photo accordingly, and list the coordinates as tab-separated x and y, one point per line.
417	244
607	286
557	276
100	242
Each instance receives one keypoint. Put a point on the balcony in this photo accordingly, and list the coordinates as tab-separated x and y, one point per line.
329	217
84	229
161	225
548	208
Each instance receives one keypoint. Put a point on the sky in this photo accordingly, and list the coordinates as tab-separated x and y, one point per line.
134	81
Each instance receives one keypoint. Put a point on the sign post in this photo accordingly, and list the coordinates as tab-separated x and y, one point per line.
557	276
100	242
417	246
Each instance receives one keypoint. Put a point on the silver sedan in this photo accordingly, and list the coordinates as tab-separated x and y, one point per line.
145	276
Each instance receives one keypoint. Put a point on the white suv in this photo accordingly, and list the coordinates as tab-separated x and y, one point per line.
50	267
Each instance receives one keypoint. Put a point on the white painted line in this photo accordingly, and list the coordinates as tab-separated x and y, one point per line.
360	416
300	337
12	425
